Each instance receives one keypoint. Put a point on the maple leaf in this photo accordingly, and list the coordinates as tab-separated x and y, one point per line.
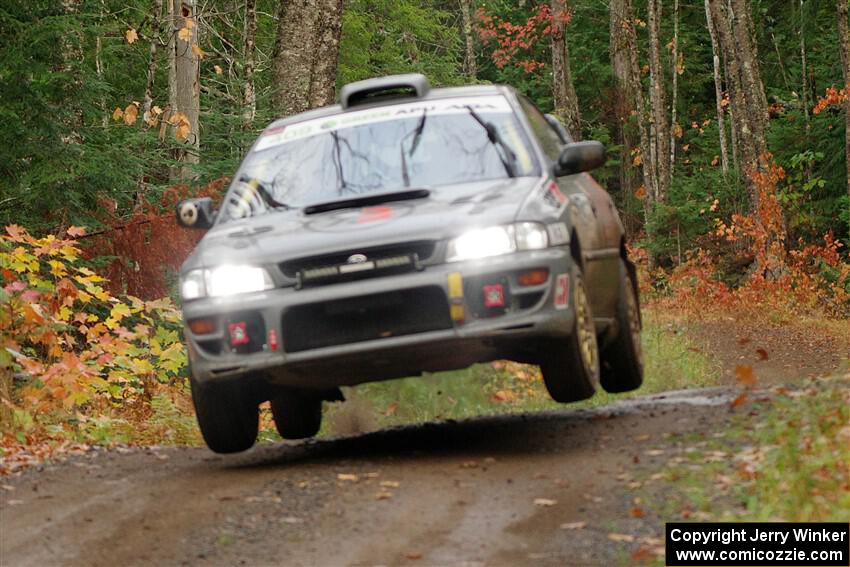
641	193
131	113
76	231
762	354
744	375
637	512
217	70
118	114
185	34
739	401
197	51
130	35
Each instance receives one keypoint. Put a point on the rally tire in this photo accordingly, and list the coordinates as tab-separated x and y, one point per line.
297	415
570	367
227	414
622	359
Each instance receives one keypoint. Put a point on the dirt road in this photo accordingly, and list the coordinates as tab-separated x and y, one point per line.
508	490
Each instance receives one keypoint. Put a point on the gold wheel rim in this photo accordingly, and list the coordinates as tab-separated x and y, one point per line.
586	330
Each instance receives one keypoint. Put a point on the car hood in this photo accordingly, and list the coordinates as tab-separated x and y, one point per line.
283	235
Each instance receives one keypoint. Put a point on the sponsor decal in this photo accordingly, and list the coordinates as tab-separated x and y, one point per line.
494	295
558	233
562	291
554	198
238	333
283	134
375	214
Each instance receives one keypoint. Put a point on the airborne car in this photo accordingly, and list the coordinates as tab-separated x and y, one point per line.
405	230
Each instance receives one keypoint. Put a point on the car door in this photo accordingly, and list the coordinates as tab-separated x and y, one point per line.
592	214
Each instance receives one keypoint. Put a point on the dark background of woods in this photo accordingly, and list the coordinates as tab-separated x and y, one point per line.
105	105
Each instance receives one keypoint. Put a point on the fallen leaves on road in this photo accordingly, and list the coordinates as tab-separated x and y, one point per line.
744	375
762	354
413	555
621	538
346	477
383	495
544	502
637	512
390	484
739	401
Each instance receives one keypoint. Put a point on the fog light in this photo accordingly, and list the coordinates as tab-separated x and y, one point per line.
202	326
533	277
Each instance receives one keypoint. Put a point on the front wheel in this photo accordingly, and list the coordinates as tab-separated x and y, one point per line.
570	368
227	414
622	360
297	415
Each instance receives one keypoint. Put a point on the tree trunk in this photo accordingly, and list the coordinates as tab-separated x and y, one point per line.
326	53
149	82
660	130
249	100
306	53
718	92
674	100
624	98
844	40
566	103
186	89
469	65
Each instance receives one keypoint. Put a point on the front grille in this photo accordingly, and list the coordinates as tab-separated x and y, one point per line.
365	318
331	268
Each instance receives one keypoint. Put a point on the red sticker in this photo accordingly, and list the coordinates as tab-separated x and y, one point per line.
374	214
555	191
494	295
562	291
238	333
273	343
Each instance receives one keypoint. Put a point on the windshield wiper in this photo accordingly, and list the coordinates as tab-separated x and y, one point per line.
507	156
417	135
258	188
367	200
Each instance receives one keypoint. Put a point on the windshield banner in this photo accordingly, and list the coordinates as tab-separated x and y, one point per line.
277	135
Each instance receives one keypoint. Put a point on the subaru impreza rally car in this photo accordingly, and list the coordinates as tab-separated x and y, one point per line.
404	230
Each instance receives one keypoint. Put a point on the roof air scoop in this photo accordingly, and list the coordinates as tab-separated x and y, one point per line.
412	85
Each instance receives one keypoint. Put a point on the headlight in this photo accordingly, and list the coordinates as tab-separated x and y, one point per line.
224	281
497	240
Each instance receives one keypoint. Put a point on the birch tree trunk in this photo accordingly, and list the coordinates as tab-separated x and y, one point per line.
718	92
675	71
844	41
624	98
469	65
249	99
563	90
660	130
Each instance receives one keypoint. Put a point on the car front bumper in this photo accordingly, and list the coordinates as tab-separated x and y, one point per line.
472	334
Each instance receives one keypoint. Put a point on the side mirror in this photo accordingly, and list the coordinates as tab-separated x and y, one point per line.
580	156
196	213
559	128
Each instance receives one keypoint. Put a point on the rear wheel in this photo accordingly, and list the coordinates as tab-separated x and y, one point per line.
622	360
228	416
297	414
571	367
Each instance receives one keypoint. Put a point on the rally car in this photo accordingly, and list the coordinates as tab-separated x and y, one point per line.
404	230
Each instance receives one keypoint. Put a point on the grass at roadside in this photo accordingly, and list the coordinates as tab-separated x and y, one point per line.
671	363
785	456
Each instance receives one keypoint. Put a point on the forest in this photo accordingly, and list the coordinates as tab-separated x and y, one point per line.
727	126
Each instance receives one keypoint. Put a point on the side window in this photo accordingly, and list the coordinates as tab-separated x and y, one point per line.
549	140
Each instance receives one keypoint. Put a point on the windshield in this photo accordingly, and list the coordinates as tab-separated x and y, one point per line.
380	150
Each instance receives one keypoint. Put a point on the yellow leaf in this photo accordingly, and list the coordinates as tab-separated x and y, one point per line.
57	268
64	313
119	311
130	35
118	114
217	69
185	34
198	52
141	366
